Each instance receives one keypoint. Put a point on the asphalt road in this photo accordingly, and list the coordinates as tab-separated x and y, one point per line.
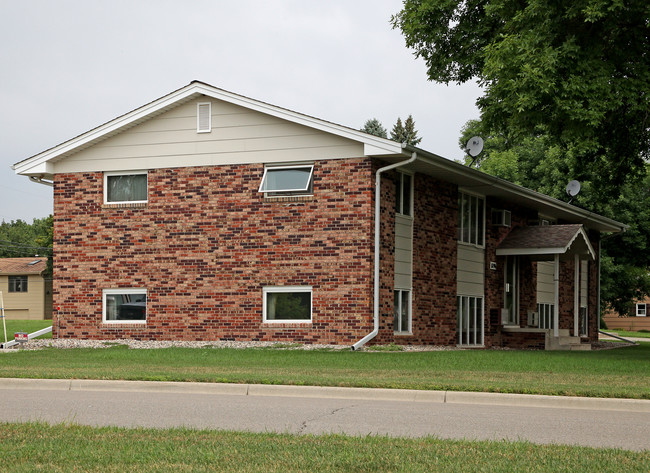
318	412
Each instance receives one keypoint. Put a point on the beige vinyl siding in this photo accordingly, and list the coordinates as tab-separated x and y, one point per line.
403	251
545	284
28	305
238	136
471	270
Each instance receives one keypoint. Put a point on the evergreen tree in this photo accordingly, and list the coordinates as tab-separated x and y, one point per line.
374	127
405	133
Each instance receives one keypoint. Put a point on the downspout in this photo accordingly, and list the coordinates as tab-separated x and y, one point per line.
375	329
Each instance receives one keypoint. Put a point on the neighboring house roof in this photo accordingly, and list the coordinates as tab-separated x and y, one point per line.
546	240
18	266
41	165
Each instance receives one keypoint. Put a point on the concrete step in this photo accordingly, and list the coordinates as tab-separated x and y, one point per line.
565	342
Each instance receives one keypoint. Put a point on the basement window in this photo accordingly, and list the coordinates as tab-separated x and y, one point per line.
287	304
124	306
288	180
125	187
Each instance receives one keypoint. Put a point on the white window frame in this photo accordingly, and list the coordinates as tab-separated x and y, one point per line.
399	197
107	174
464	333
477	232
398	310
130	290
641	310
198	117
296	191
283	289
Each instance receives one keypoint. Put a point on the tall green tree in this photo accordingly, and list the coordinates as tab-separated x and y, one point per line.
576	72
405	133
374	127
536	163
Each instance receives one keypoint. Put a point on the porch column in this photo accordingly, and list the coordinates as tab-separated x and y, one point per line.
556	302
576	295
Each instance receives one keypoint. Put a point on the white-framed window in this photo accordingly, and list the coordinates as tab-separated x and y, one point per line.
546	315
470	320
284	180
17	283
404	194
204	117
471	219
402	311
124	306
286	304
641	310
128	187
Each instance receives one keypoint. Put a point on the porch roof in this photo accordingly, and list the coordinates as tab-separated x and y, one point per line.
546	241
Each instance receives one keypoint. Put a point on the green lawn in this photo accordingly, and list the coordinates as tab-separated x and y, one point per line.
62	448
29	326
625	333
623	372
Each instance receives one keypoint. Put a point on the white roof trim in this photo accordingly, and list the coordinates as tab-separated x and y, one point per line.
34	165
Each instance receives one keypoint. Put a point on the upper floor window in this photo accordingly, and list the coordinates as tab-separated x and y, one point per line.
125	187
17	283
288	180
403	194
471	219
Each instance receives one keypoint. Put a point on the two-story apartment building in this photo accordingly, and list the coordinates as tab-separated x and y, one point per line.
205	215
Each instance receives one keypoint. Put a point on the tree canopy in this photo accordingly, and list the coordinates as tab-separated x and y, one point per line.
405	133
576	72
374	127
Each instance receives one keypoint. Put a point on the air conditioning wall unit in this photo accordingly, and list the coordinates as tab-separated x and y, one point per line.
533	318
501	217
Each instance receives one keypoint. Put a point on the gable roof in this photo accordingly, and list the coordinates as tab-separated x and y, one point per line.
546	240
18	266
37	165
41	165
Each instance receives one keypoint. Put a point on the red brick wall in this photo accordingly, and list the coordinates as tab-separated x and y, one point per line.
204	246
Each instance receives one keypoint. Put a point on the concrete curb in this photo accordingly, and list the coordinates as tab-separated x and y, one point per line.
376	394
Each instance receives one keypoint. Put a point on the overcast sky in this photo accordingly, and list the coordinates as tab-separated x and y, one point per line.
68	66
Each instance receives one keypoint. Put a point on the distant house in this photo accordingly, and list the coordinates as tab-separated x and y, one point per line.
206	215
26	292
637	318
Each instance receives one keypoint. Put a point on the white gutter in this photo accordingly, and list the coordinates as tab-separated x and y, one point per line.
375	329
40	180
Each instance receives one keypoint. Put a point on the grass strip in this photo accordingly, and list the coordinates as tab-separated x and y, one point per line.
29	326
62	448
623	372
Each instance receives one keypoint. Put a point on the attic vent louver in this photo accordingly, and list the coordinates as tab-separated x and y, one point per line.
204	117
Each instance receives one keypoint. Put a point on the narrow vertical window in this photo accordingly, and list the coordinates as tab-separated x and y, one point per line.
471	219
402	311
403	192
204	117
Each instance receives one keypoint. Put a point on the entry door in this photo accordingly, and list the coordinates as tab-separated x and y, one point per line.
511	290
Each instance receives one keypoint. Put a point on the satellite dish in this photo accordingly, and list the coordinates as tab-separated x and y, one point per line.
573	188
474	146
